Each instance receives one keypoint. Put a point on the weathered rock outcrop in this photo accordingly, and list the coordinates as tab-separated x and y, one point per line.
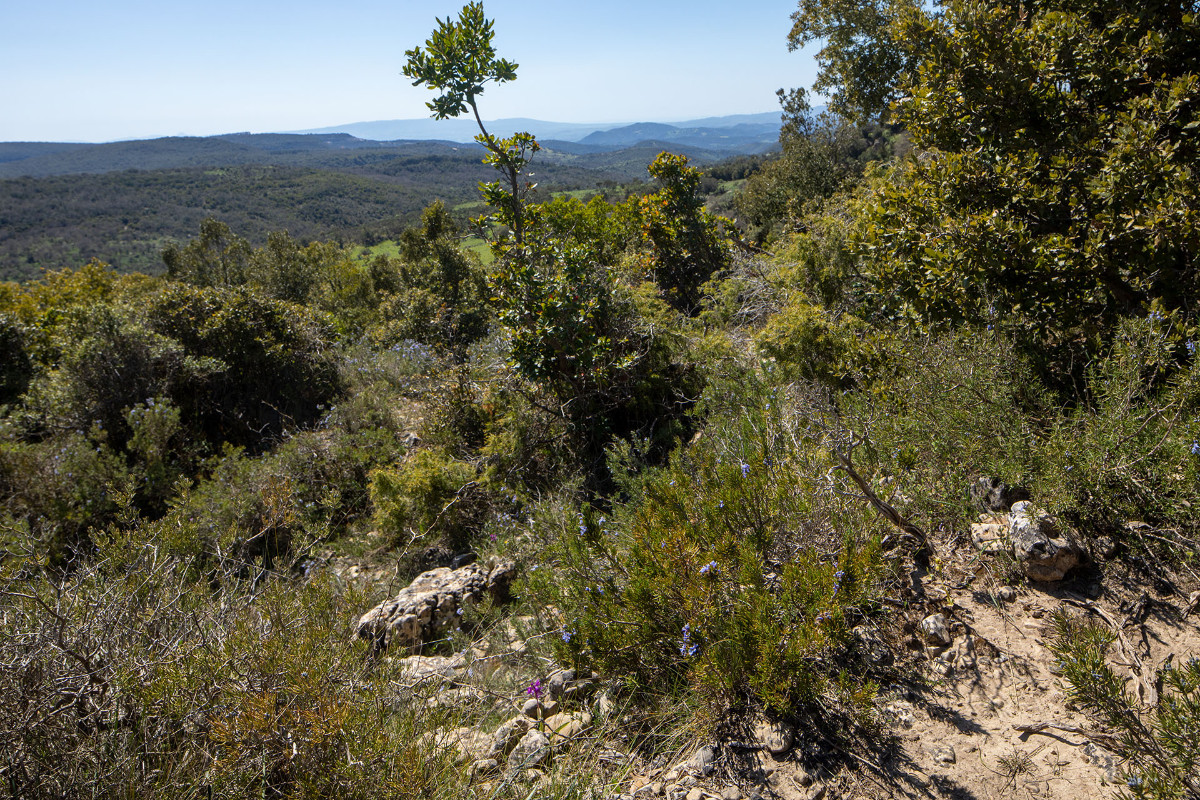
1044	549
990	494
432	603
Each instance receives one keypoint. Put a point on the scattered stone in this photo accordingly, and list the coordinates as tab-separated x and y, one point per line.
532	776
817	792
943	754
431	603
992	494
1044	550
990	534
454	698
1007	594
422	669
774	737
804	778
507	735
557	682
935	630
703	761
468	744
695	794
731	793
532	750
900	714
562	728
606	704
1105	546
1193	604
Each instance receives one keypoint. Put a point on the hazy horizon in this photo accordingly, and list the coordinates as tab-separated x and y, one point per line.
130	69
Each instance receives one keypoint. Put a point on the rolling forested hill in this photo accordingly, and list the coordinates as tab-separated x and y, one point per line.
61	205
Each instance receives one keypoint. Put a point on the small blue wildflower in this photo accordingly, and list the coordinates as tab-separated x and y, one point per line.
824	616
1196	448
720	504
710	565
1191	347
566	635
688	647
745	469
1133	781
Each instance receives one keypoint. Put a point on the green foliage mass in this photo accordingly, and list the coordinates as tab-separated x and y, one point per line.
1055	184
1163	759
721	474
727	570
683	244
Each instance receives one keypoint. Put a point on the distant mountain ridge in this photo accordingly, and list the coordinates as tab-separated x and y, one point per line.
464	130
702	140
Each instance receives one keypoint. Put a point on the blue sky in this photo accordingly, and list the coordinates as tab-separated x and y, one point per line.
101	71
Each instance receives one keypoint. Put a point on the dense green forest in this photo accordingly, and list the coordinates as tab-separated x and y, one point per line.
124	202
701	471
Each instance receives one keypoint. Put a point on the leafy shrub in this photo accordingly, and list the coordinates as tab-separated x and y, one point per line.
128	679
808	343
438	293
63	489
15	366
268	363
683	245
1160	748
731	570
429	495
1129	452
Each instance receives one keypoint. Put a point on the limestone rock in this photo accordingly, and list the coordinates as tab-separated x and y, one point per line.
943	754
1044	550
562	728
990	534
703	761
507	735
558	681
468	744
432	603
532	750
774	737
420	669
935	630
992	494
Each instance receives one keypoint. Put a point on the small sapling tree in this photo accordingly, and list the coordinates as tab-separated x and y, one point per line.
458	59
